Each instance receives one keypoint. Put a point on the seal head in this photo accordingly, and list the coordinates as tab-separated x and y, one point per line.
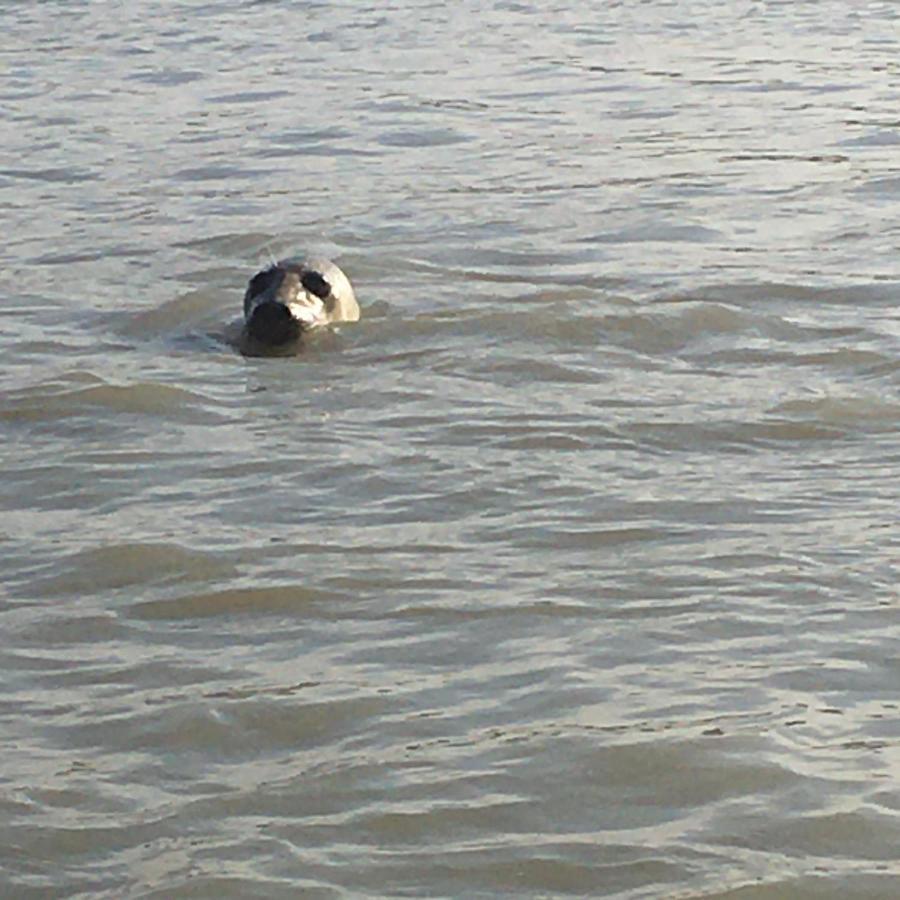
295	295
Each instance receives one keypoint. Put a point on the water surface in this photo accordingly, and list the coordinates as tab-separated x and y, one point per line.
569	570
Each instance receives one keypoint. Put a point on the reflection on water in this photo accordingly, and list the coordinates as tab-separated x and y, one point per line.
570	569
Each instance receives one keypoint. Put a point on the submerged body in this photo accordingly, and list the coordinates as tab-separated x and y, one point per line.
294	295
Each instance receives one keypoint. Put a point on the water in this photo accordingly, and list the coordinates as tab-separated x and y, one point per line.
570	570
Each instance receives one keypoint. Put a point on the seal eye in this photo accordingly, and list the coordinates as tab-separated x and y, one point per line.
315	284
261	281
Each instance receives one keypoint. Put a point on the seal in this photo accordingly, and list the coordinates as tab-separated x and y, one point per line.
294	295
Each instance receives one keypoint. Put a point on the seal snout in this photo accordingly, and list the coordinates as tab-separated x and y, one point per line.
271	322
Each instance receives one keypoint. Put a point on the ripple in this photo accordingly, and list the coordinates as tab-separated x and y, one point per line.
116	566
251	601
54	400
874	413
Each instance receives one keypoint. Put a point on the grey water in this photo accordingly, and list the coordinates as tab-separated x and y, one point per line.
570	570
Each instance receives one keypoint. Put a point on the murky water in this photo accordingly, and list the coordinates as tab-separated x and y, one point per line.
570	569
